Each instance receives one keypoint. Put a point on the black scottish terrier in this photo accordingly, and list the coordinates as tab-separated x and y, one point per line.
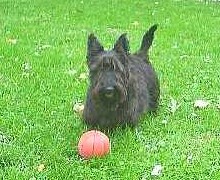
122	85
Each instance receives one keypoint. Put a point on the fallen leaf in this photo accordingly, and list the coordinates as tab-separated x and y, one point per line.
189	158
201	103
12	41
157	170
78	108
194	116
32	178
71	72
40	168
45	46
4	139
26	66
173	105
164	121
83	76
218	105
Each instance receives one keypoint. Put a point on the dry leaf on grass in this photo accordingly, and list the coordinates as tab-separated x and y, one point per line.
40	167
157	170
173	105
78	108
12	41
164	121
190	158
71	72
83	76
4	139
218	105
201	103
33	178
26	67
46	46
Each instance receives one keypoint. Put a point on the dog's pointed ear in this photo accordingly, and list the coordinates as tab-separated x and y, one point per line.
122	44
122	48
93	47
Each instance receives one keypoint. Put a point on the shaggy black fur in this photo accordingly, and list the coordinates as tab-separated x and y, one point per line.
122	85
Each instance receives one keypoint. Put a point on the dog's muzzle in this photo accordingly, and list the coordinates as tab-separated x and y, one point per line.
109	92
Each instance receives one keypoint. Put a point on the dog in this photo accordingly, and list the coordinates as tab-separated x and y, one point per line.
122	85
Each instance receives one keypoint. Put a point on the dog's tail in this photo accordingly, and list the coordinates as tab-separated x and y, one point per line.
147	41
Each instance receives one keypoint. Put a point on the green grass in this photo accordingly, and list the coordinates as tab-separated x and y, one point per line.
41	43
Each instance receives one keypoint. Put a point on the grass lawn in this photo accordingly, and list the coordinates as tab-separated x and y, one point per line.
43	73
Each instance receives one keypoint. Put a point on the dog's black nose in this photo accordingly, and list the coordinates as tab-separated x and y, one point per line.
109	92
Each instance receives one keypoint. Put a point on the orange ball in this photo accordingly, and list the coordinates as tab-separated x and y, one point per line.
93	144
